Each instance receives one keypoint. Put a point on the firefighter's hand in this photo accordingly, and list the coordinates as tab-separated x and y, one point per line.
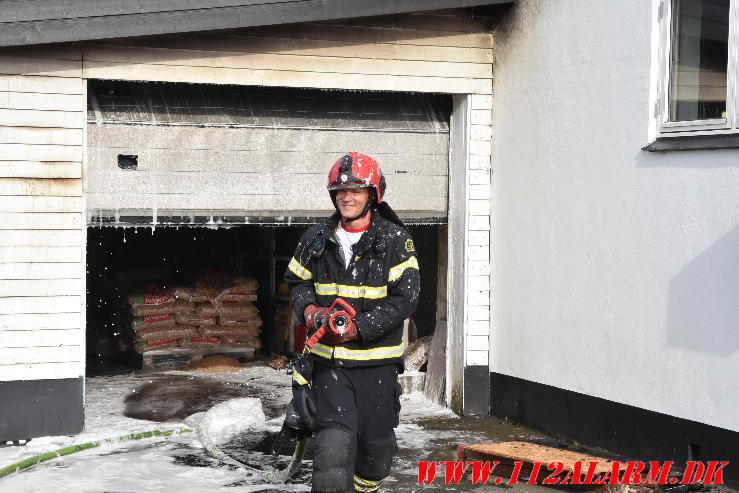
301	412
331	337
313	317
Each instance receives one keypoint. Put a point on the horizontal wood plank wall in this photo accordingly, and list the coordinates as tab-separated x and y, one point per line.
254	169
445	53
42	103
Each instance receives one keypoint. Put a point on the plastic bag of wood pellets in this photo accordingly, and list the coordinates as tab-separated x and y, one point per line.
144	346
242	341
230	309
192	318
196	342
177	306
167	332
250	321
237	295
148	296
245	283
218	331
212	283
222	286
139	323
189	293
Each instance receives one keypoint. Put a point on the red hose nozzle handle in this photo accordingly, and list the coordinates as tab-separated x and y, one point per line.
336	319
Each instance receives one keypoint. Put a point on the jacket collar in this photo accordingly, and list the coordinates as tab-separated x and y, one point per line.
367	239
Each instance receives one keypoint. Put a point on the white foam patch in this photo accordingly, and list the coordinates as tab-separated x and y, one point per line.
228	419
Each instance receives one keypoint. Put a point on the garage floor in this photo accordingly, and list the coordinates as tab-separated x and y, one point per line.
136	401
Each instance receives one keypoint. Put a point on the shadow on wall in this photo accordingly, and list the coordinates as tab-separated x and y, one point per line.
692	159
703	300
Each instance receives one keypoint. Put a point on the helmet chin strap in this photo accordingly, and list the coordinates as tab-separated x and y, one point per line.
361	214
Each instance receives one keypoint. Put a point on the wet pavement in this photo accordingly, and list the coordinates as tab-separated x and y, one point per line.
168	397
125	402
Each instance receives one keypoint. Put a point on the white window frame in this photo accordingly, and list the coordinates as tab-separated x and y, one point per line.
730	125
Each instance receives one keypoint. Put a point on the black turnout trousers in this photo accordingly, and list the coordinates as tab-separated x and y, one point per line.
357	409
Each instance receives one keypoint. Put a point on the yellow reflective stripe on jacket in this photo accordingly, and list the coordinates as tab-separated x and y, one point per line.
299	270
340	352
300	379
397	271
321	350
369	354
344	291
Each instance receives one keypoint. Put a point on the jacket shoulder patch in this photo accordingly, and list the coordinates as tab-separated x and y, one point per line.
409	247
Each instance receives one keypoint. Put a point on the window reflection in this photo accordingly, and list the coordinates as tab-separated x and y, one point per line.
700	33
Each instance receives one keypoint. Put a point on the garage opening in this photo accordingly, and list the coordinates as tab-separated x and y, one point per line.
197	196
184	271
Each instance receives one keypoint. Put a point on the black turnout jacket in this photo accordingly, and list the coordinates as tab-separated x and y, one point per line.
381	283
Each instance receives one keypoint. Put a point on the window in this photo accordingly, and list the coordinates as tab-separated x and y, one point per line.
699	60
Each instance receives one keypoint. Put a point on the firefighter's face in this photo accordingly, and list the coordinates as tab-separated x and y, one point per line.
351	201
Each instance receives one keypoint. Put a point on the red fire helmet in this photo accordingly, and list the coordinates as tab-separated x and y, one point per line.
356	170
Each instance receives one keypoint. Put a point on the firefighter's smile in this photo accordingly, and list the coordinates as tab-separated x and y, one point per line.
350	208
352	201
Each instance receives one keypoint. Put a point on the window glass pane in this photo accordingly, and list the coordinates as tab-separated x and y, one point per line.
700	34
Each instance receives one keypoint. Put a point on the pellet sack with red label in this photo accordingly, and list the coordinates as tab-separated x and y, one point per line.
221	286
249	321
167	332
144	346
242	341
159	304
189	293
229	309
192	318
233	332
196	342
152	321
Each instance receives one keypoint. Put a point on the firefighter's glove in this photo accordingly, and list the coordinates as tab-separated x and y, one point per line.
301	412
349	334
314	317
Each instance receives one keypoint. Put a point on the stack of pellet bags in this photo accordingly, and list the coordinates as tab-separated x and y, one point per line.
215	309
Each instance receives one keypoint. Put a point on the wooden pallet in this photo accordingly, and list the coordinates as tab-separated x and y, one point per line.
175	357
508	453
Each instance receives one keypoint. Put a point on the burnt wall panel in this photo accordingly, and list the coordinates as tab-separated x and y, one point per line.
255	150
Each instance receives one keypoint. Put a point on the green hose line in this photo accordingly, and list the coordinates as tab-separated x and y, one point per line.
26	463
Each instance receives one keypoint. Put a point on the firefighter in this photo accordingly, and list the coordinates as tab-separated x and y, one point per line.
347	390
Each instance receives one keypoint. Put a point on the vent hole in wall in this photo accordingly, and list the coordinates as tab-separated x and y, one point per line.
128	161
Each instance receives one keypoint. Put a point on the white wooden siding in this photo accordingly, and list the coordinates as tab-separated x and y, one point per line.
477	293
41	287
413	57
42	114
38	338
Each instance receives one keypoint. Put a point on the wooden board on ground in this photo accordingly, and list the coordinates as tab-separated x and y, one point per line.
175	357
509	453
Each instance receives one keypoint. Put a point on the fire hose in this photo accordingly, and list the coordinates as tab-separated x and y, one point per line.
36	459
270	475
336	319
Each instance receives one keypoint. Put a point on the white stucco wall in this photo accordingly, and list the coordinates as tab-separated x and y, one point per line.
615	272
